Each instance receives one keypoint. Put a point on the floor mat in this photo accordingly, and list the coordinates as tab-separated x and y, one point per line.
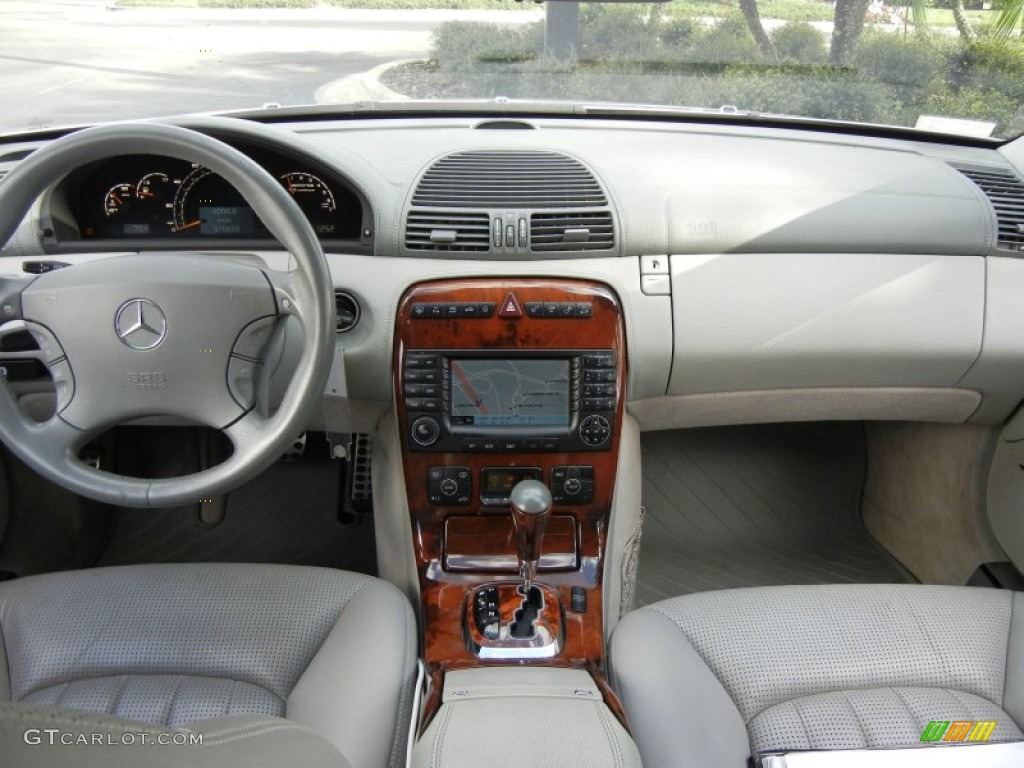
756	505
286	515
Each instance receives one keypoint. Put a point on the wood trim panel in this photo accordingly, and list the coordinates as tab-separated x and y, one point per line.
443	593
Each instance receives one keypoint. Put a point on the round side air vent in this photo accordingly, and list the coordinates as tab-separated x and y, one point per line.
346	311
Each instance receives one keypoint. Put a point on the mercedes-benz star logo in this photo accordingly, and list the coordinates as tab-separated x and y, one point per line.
140	324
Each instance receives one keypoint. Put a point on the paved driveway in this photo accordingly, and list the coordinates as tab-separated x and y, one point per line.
72	62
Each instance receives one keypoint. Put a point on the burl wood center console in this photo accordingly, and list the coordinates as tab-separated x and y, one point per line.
499	381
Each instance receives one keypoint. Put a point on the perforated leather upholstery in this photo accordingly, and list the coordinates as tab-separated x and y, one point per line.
172	645
870	717
779	668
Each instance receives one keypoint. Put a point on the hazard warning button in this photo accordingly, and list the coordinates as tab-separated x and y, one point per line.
510	307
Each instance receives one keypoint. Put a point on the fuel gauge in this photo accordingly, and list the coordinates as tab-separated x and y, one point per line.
155	188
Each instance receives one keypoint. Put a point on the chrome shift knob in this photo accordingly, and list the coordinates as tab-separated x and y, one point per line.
531	502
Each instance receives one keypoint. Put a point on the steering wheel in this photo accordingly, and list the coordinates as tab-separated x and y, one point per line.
174	335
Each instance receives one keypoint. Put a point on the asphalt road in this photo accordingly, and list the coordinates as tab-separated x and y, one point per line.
79	61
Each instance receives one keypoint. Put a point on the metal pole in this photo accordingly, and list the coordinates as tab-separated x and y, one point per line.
561	29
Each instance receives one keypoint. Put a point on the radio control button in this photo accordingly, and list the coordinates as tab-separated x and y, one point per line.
595	430
422	360
422	390
471	444
426	431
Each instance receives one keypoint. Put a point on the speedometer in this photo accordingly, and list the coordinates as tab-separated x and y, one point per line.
309	191
185	215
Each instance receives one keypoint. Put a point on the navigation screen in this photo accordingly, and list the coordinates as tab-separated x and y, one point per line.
510	393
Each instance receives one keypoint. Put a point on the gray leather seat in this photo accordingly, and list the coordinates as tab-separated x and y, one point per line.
323	656
712	678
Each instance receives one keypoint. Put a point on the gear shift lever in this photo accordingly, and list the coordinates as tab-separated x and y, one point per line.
530	501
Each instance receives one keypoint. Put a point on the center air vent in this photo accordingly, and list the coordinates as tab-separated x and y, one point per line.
571	231
1006	193
466	232
508	179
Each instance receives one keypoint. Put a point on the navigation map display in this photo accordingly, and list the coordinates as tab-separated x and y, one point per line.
510	393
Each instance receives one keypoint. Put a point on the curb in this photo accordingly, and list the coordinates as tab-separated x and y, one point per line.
365	86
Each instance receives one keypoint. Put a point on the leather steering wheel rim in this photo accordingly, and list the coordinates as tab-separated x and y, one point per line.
52	447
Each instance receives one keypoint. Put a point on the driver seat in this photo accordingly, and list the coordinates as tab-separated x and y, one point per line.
177	646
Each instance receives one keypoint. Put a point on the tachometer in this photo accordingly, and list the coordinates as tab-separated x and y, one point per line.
118	198
309	191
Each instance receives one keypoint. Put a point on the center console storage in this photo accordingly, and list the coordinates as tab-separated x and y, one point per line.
526	716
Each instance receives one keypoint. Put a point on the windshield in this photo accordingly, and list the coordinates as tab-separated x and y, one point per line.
952	66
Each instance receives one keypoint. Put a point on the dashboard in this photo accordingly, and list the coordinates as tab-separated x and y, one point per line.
163	202
764	273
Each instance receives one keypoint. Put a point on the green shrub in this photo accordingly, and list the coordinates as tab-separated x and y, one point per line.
679	32
977	104
478	46
897	60
728	41
800	43
616	32
990	64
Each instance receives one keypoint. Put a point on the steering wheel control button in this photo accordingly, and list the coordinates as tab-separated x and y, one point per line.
242	381
425	431
140	324
252	341
63	382
49	347
595	430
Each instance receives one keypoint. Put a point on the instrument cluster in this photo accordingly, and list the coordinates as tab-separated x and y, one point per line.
145	197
